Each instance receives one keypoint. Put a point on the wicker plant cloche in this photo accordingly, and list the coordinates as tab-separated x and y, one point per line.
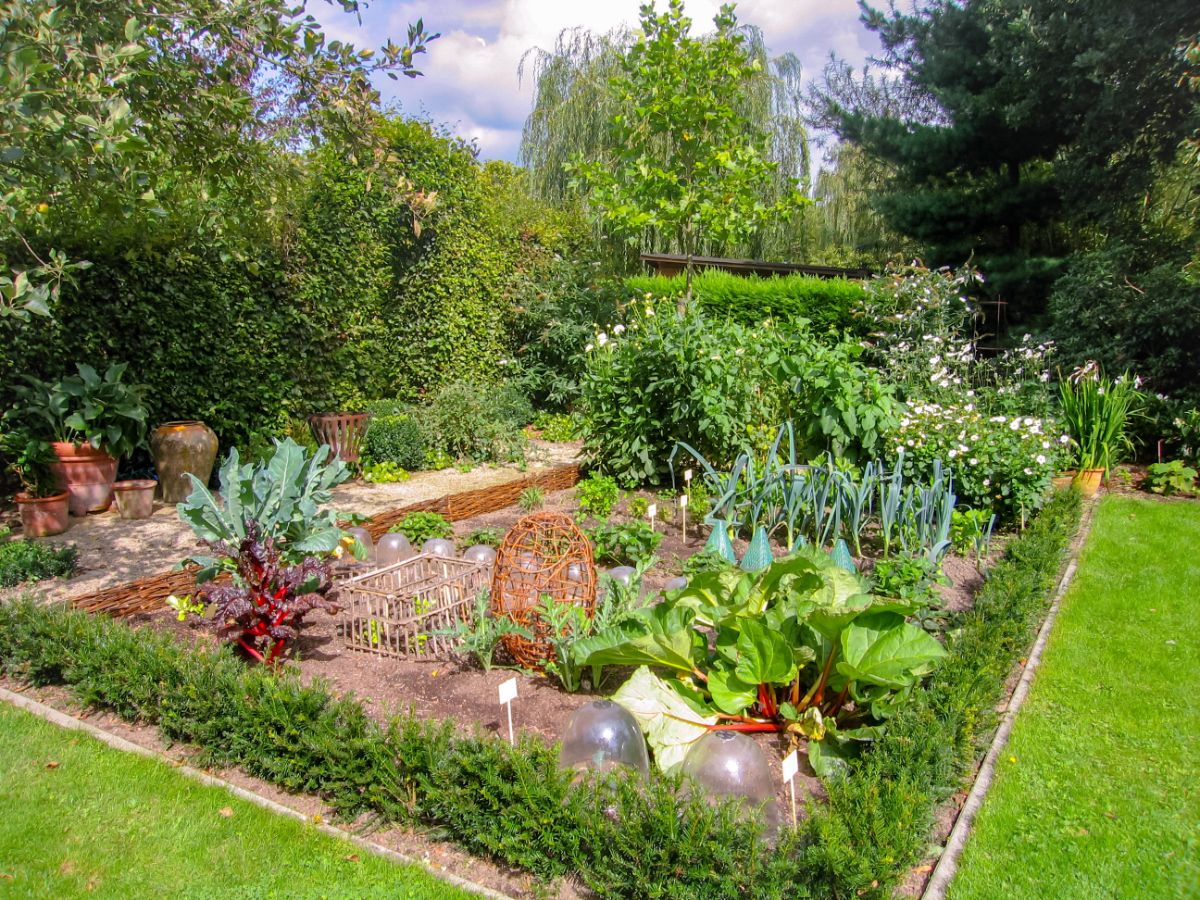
544	554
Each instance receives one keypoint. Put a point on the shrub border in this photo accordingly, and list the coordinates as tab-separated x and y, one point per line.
513	804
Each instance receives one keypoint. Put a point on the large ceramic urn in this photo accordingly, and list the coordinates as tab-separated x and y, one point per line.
179	448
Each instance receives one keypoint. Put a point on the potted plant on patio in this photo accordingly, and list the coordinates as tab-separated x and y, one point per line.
92	421
43	504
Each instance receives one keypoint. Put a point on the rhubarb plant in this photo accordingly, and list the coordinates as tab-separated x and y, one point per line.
800	647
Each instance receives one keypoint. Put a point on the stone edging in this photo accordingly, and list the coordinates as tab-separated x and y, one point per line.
56	717
947	864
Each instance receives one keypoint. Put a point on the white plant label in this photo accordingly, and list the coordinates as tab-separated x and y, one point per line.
508	693
687	474
683	499
652	510
791	767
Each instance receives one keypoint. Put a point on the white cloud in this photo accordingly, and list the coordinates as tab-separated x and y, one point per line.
470	79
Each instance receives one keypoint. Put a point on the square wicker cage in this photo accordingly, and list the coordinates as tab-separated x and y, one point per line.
410	608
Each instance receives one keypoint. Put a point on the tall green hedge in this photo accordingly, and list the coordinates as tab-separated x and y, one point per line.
826	302
341	302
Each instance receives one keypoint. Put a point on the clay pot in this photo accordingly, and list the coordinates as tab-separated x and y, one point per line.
1064	480
87	474
135	499
44	516
342	432
179	448
1088	481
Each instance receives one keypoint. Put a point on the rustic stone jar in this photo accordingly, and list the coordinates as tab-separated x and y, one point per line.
178	448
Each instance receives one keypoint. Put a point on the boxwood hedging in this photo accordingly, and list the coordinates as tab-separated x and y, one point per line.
826	302
621	839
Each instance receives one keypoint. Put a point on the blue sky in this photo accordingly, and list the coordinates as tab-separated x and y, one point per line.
471	83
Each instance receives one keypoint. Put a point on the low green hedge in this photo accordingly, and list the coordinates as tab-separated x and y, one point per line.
22	561
396	439
826	302
626	840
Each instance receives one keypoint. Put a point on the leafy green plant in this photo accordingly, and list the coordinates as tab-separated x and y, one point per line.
625	543
971	531
1172	477
384	473
638	506
396	440
476	422
908	578
86	408
800	648
705	561
30	459
556	427
487	537
281	500
22	561
1096	412
597	495
480	635
437	460
532	498
566	625
422	525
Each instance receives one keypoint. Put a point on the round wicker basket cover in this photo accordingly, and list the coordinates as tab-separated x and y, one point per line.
543	555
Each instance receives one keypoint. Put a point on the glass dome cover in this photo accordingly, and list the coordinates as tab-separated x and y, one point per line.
726	764
392	548
601	736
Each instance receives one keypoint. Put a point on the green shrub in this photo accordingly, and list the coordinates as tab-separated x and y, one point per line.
420	526
476	422
384	473
1168	478
557	427
664	378
395	439
22	561
828	303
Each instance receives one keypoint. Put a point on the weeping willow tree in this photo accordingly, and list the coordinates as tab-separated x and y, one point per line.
575	104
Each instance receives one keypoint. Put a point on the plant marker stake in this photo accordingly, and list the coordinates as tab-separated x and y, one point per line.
687	477
508	693
651	513
683	498
791	765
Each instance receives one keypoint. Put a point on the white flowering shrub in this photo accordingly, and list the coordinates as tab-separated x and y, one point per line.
1002	463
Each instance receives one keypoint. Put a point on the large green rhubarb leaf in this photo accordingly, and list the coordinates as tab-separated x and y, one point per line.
660	635
671	716
883	649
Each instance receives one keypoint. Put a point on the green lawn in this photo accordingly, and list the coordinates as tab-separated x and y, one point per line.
78	818
1098	792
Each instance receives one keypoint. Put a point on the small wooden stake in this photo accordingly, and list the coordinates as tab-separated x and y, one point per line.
508	693
791	765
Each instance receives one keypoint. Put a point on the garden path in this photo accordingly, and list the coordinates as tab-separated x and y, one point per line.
114	551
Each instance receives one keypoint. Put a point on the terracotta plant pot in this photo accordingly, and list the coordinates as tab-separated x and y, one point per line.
1065	480
135	499
44	516
87	474
342	432
1088	481
179	448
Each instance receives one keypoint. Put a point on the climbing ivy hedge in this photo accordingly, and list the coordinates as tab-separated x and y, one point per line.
342	302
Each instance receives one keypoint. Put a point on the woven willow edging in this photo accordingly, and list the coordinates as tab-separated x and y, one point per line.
150	593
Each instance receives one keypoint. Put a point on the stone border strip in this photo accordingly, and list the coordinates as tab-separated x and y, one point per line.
947	864
61	719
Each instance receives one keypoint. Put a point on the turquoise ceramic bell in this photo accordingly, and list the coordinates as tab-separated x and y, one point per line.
758	554
719	543
801	541
841	555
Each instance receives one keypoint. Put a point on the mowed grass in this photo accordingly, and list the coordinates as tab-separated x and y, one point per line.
1098	792
80	819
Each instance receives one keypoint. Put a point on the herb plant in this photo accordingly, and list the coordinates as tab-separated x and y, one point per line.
532	498
422	525
626	543
597	495
487	537
30	459
479	636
